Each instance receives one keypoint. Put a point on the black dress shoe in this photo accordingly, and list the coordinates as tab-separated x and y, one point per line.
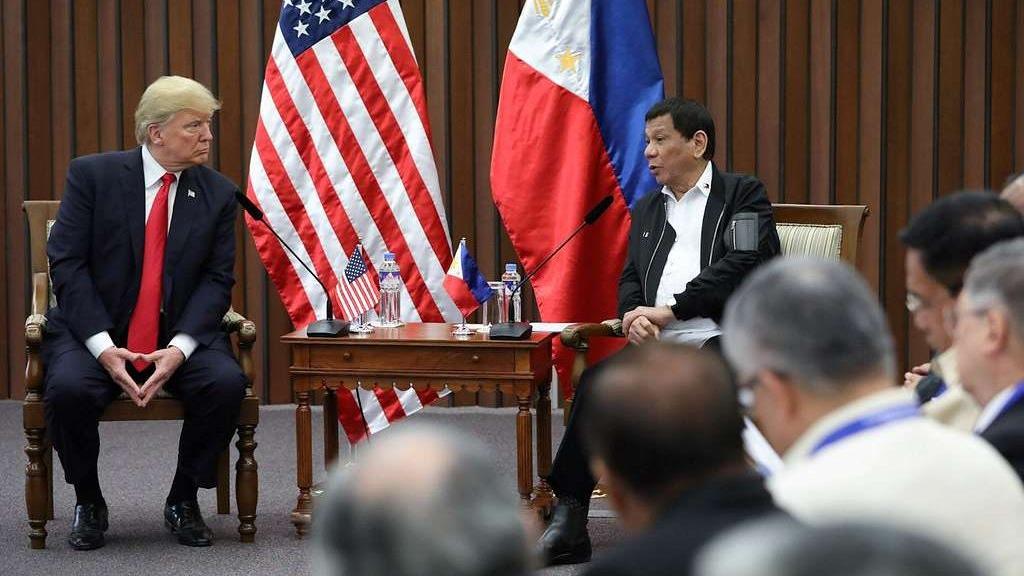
187	524
89	525
566	540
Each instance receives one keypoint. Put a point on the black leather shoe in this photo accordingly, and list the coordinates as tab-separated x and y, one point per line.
566	540
90	523
187	524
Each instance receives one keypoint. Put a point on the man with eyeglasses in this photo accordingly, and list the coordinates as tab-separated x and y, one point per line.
809	343
940	241
988	330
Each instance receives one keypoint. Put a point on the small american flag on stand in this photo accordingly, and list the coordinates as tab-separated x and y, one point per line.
357	292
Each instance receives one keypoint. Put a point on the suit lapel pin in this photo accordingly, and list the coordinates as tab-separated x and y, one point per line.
191	194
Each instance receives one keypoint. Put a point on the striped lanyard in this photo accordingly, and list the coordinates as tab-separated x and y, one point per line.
872	420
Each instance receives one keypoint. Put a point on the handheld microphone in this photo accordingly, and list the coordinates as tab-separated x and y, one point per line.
327	328
522	330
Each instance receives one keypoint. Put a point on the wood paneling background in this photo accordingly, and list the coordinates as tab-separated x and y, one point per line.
886	103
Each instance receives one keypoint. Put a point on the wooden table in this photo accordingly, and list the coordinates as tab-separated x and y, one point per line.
421	356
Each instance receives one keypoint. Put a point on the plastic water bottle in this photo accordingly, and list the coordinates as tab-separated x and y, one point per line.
390	292
511	279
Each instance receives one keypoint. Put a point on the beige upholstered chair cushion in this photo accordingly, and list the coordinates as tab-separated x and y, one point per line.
822	240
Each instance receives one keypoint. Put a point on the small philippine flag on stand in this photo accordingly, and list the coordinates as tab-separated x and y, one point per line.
464	282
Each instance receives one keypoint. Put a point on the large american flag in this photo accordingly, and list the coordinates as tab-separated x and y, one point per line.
342	152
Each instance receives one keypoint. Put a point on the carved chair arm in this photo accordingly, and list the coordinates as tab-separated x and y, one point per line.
246	330
576	336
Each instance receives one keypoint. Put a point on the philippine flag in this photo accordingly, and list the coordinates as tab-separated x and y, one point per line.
578	79
464	282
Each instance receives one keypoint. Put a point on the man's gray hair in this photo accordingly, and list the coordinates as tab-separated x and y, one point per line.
783	547
422	501
811	319
996	278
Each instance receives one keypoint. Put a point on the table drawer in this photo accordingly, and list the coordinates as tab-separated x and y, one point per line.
413	359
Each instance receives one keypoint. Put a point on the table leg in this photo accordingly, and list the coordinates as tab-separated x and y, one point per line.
544	496
302	514
524	448
330	427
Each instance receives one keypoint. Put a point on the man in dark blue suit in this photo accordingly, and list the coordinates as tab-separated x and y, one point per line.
141	259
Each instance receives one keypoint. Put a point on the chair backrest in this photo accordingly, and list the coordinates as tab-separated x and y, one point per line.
40	215
820	230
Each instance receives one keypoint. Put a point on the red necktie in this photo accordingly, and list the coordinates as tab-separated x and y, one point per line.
145	322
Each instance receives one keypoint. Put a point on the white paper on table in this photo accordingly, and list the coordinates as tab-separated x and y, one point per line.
550	326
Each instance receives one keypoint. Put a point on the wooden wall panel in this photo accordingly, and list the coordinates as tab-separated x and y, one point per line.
883	102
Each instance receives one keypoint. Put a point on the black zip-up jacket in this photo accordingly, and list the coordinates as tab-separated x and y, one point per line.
722	269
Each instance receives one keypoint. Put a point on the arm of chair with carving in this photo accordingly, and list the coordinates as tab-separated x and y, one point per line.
235	323
35	327
577	337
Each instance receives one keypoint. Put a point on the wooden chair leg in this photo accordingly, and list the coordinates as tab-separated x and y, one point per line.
35	486
48	459
246	482
224	482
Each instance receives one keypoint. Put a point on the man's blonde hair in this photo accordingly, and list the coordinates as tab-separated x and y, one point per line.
167	96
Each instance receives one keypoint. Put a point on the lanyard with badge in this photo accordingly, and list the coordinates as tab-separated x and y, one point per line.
873	420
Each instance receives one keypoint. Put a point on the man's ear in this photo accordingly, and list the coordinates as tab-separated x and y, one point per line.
700	143
155	134
998	331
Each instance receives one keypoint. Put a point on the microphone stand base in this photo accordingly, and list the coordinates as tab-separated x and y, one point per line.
332	328
510	331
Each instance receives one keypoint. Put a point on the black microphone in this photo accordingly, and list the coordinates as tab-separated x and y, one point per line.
522	330
328	328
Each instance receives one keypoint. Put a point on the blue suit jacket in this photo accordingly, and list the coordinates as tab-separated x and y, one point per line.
96	247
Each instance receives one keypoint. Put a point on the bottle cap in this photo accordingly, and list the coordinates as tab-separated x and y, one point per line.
511	267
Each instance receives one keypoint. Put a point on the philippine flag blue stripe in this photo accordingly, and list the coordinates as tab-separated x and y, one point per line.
474	279
625	80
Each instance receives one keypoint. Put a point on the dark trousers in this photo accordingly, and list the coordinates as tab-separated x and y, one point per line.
77	390
570	472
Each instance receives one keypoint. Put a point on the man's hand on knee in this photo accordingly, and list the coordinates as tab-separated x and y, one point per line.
113	361
643	330
165	363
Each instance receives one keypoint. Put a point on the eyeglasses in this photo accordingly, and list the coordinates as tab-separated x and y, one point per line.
914	302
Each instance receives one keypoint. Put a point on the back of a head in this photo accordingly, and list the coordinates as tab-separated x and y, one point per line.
781	547
664	413
422	501
953	229
811	319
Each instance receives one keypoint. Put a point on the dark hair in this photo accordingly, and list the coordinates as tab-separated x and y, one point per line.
661	413
950	231
688	116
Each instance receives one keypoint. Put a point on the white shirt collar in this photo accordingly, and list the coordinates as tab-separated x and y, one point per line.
992	410
703	184
152	171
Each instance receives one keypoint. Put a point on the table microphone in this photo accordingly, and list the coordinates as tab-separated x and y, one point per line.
522	330
327	328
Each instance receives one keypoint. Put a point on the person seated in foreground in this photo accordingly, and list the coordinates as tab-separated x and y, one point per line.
1013	191
940	241
665	435
814	357
422	501
779	547
988	330
681	266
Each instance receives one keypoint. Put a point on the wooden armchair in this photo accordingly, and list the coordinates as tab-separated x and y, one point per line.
804	229
39	471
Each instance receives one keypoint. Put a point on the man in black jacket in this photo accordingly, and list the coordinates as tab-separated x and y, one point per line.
665	434
691	244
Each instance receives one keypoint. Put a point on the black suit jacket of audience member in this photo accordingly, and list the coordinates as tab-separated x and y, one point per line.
1006	434
689	523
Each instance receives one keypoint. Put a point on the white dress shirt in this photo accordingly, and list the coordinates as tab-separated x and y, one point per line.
152	172
686	216
912	473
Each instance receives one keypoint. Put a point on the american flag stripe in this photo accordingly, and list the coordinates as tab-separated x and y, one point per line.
342	155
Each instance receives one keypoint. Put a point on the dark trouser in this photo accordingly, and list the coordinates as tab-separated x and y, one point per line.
77	390
570	472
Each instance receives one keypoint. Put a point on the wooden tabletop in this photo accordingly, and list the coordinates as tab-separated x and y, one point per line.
425	332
